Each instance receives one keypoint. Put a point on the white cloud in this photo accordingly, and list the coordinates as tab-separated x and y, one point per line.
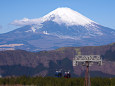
26	21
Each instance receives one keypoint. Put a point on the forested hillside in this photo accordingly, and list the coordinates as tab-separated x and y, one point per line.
51	81
45	63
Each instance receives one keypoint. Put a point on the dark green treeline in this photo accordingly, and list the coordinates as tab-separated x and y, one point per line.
52	81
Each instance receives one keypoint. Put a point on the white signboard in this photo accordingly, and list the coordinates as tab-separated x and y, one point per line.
87	58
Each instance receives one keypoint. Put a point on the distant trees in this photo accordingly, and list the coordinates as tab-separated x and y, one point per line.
53	81
110	54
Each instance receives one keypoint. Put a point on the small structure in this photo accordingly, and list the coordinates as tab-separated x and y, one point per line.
58	73
87	60
67	75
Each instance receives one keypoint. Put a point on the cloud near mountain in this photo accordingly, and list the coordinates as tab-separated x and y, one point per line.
25	21
62	15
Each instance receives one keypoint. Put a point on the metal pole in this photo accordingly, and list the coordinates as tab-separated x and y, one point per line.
87	76
89	82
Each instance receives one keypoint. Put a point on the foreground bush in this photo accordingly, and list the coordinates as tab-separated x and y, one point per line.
53	81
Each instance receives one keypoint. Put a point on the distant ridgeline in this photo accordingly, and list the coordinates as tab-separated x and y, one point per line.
45	63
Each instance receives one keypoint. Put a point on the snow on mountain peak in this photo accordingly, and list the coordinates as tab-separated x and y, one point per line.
62	15
67	16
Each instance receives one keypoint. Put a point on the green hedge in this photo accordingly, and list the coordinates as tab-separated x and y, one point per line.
53	81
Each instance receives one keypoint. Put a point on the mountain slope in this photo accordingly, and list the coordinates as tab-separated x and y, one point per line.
46	62
60	28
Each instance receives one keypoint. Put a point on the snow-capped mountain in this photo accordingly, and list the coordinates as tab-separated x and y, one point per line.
61	27
64	17
61	16
67	16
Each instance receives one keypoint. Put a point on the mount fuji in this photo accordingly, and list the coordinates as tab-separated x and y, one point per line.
62	27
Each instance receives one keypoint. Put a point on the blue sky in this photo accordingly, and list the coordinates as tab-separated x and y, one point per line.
100	11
